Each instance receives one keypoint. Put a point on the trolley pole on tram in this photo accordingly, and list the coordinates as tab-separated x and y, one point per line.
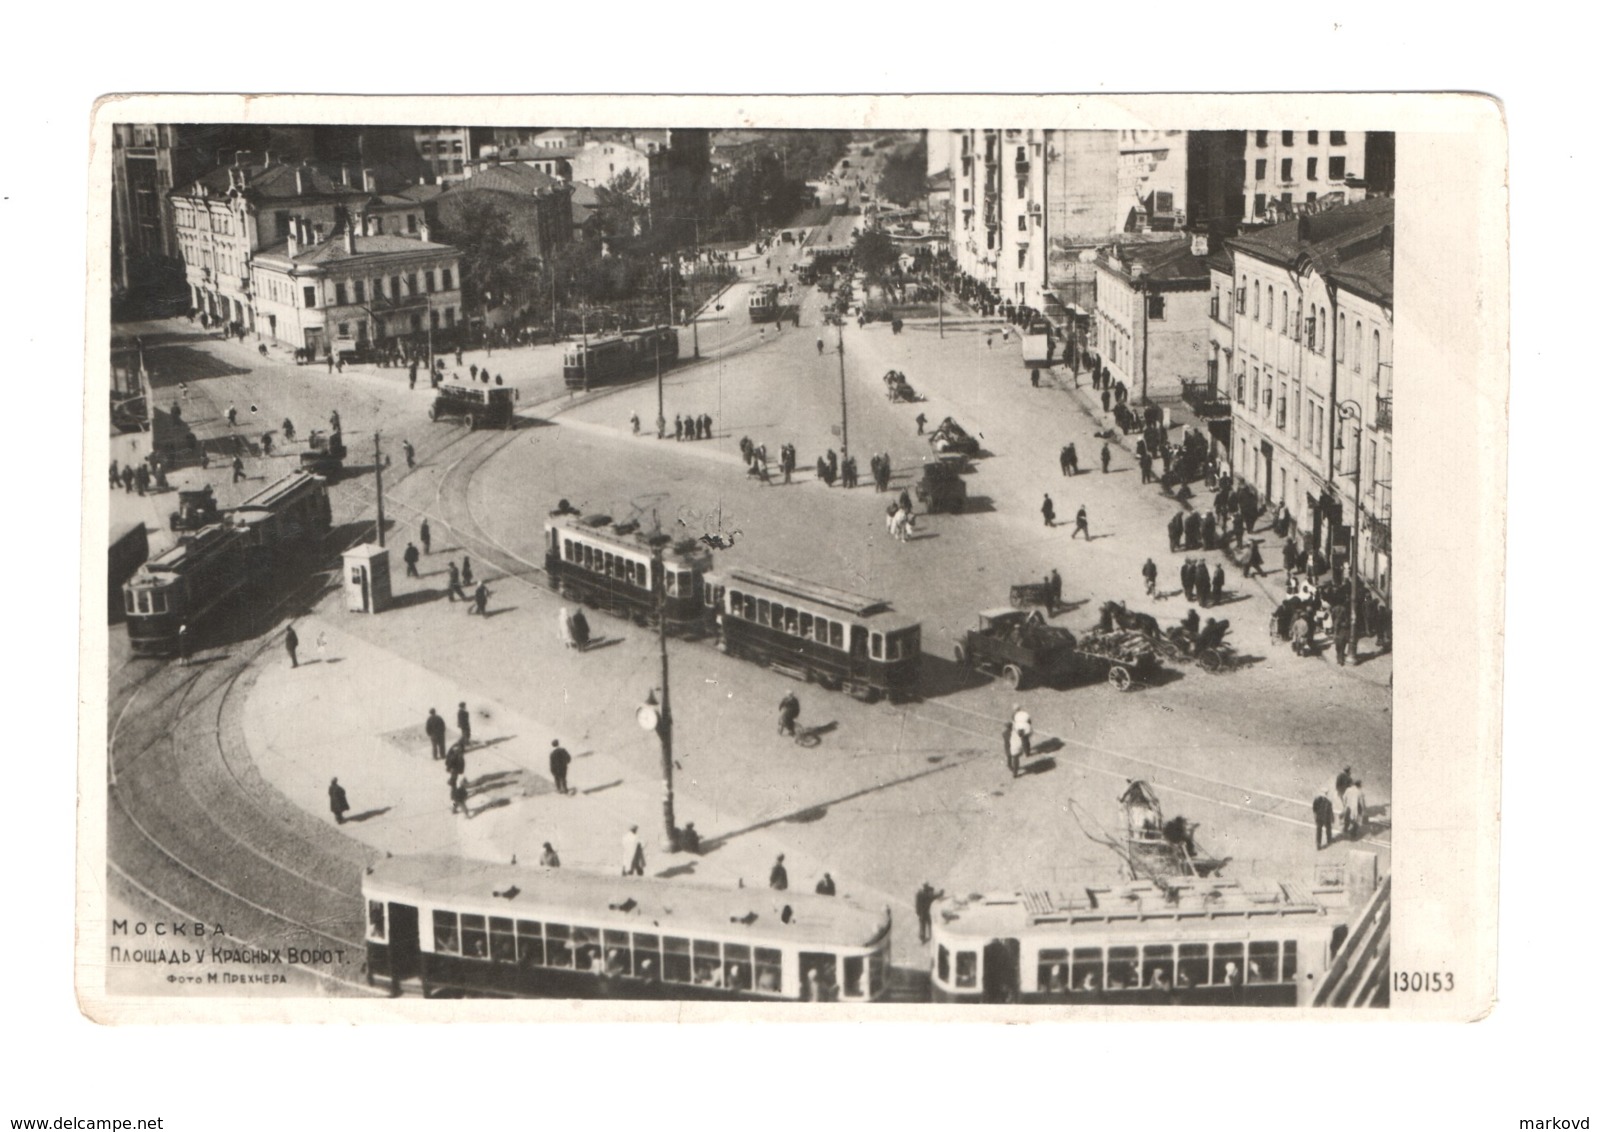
377	468
658	717
844	405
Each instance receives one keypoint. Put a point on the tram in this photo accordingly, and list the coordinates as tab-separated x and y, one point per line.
766	303
478	928
1188	941
182	587
838	639
130	546
618	356
626	572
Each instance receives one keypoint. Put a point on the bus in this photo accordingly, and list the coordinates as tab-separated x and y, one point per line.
1187	941
838	639
626	572
477	928
618	356
182	587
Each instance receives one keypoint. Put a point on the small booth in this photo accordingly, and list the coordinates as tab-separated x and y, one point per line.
366	579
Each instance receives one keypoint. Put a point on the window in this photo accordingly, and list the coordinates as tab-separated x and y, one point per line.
558	945
1311	198
1255	300
1288	170
1311	137
1193	964
1158	965
1286	202
1158	308
1355	357
877	646
530	944
966	968
1260	205
361	290
428	280
1335	137
1288	137
618	955
676	966
394	286
344	330
1239	300
338	294
1261	138
1022	224
944	964
1255	385
311	296
1122	968
1297	409
1299	313
836	634
474	936
586	948
411	283
707	963
1271	305
446	940
768	970
1088	970
377	926
455	166
1322	332
433	320
1283	406
1336	168
1316	430
502	940
1022	257
1053	970
445	283
1261	168
1227	964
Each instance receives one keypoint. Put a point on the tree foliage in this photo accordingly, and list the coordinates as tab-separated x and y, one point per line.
875	252
495	264
904	177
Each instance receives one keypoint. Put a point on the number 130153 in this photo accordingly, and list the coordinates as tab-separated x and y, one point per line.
1424	982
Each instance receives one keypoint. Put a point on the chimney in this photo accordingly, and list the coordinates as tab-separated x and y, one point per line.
301	181
422	232
1136	270
1199	245
316	233
294	237
344	174
350	238
369	181
366	224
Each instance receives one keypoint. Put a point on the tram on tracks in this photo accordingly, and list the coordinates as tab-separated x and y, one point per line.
767	303
477	928
628	573
1187	941
184	586
616	357
839	639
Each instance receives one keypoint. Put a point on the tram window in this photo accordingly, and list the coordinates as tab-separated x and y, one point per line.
1289	966
474	937
1263	961
675	960
1088	969
877	971
749	608
854	967
502	940
377	923
566	549
530	944
1052	970
588	557
558	945
807	626
158	601
586	944
877	646
647	955
836	634
609	565
763	612
619	957
1158	966
707	963
1227	964
966	968
144	601
944	964
1122	970
1194	965
446	941
738	956
791	620
769	970
819	630
127	596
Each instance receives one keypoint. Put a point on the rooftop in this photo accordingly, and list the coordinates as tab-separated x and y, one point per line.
512	178
333	248
1353	243
1166	261
281	181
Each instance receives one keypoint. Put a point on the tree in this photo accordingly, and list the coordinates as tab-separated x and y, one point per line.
904	178
623	205
875	252
495	264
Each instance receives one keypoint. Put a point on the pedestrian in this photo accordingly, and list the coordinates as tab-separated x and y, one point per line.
473	370
410	557
455	762
141	479
778	878
1208	531
464	723
1022	729
1144	467
1175	532
922	422
825	886
1300	634
330	363
288	429
454	590
1081	524
1149	572
412	376
632	853
1105	399
1254	561
819	347
466	570
1355	810
426	535
549	859
1217	579
1322	810
1064	464
560	760
1202	584
434	727
1341	632
1186	578
1048	510
233	416
689	839
480	599
924	901
1072	457
580	630
1105	458
238	469
337	801
633	420
127	478
677	426
564	628
458	798
788	713
411	453
116	478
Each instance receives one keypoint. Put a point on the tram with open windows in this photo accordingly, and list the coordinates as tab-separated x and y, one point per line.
182	587
627	572
615	357
768	303
1186	941
836	638
479	928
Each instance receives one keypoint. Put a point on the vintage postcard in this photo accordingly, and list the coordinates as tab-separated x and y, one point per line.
793	558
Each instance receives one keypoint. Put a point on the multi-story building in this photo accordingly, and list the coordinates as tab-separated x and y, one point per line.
1152	179
223	218
1151	307
601	161
1291	170
998	197
354	288
537	207
1311	377
447	151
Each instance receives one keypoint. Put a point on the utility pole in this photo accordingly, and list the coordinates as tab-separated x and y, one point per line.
586	348
844	405
377	467
658	717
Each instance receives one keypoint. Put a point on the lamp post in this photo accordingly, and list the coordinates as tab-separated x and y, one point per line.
654	715
844	405
694	322
1347	410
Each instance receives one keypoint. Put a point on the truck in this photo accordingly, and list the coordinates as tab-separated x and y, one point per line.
941	487
1021	647
480	407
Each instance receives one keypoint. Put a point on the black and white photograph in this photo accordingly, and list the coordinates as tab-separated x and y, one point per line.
628	552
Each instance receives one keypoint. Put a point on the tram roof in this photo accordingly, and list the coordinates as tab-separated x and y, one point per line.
854	604
1139	907
273	494
189	549
634	542
670	907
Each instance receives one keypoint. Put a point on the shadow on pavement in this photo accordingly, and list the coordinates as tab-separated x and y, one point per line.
602	787
415	597
367	814
941	677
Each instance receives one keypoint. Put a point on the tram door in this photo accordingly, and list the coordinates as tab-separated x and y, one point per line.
1002	963
405	943
858	650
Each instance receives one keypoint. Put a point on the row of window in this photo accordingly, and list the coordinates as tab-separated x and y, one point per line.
796	622
282	219
148	600
1156	966
453	146
1261	400
622	567
1335	169
1316	326
1335	137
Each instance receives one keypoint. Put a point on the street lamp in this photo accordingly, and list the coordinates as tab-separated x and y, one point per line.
844	405
1348	409
654	715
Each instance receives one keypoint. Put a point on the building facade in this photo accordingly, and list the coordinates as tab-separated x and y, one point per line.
1311	380
1151	313
600	163
1291	170
351	290
446	150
